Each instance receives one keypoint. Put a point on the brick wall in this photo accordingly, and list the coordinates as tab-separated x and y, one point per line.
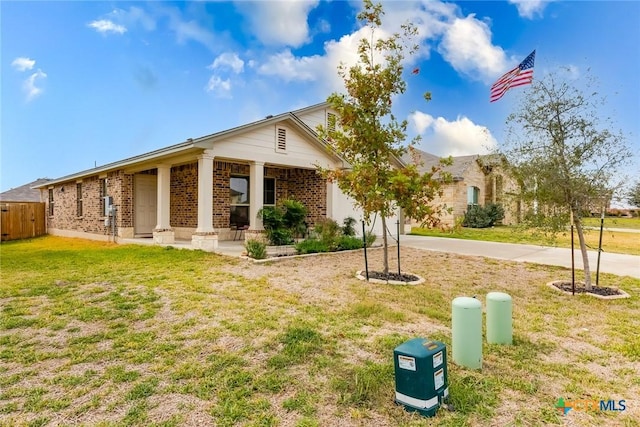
308	187
301	184
184	196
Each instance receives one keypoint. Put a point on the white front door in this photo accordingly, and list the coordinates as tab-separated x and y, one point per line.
145	196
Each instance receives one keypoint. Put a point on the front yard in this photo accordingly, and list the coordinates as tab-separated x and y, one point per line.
100	334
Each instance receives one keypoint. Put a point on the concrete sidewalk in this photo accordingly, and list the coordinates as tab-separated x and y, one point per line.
619	264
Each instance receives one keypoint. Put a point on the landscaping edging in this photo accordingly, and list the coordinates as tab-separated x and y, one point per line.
359	275
622	294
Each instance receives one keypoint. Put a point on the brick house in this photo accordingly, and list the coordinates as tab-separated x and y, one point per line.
204	189
477	180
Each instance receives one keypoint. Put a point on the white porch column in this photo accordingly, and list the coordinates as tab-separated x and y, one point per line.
163	233
256	195
205	237
330	200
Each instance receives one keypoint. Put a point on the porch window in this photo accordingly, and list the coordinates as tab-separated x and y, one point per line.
269	198
239	198
239	201
473	195
78	199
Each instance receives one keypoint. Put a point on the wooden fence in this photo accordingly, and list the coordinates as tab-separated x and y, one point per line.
22	220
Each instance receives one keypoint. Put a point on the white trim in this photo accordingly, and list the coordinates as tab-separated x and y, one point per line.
416	403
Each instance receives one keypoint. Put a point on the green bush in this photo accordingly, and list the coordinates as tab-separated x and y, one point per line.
346	243
348	226
256	249
328	231
283	222
370	238
483	216
311	246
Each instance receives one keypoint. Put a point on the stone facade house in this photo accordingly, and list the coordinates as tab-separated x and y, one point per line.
477	180
204	189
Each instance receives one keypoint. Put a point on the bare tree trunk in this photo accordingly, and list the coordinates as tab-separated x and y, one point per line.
385	245
583	250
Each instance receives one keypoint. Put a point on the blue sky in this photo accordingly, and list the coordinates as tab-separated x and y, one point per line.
89	83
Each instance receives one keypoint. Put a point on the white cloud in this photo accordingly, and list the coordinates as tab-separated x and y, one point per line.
23	64
278	23
466	45
132	17
530	8
456	138
290	68
30	87
220	88
463	42
105	26
228	60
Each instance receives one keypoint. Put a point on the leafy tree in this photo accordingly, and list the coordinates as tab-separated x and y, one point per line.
564	154
370	138
633	195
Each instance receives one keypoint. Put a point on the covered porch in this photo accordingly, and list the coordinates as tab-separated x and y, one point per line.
211	200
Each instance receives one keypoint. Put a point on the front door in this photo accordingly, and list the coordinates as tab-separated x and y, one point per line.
145	196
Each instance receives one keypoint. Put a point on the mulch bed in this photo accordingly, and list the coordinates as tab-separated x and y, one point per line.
580	289
403	277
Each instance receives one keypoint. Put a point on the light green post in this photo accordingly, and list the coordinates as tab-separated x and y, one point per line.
466	332
499	315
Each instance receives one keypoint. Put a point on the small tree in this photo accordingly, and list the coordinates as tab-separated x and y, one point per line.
563	154
633	195
370	138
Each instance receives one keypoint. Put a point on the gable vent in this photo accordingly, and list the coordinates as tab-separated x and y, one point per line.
331	122
281	140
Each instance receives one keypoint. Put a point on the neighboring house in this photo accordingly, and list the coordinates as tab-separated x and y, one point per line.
24	193
205	188
477	180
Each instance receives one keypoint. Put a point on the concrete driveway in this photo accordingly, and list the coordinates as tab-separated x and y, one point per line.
619	264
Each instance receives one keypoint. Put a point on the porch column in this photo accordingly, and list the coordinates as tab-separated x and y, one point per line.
256	195
163	233
205	237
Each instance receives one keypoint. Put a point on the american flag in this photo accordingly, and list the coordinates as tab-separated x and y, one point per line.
519	76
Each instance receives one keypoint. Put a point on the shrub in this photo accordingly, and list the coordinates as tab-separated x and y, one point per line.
311	246
256	249
346	243
328	231
284	221
483	216
370	238
347	226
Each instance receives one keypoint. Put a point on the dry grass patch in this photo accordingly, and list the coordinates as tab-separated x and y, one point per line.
149	336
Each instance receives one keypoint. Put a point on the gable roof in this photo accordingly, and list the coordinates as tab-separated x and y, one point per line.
196	145
457	169
24	193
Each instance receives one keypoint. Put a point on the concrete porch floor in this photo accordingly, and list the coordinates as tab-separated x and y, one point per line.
233	248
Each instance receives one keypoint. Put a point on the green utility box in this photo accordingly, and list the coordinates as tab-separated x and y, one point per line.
421	375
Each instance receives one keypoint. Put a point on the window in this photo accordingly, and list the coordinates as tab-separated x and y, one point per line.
281	140
51	202
473	194
78	199
103	194
269	198
239	201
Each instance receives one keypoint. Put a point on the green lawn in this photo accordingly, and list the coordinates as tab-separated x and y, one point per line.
614	222
99	334
612	241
